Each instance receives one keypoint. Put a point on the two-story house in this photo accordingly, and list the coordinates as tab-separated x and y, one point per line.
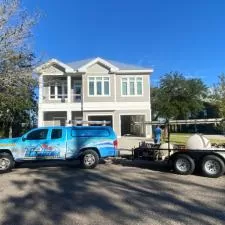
95	90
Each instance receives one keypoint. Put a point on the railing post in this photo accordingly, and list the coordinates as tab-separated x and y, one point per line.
69	88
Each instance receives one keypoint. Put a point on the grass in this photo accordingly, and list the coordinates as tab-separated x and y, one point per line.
181	138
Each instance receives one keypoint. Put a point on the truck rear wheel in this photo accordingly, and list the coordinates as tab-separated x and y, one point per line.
212	166
183	164
6	162
89	159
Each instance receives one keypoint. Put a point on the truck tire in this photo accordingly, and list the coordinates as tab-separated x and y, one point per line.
89	159
6	162
212	166
183	164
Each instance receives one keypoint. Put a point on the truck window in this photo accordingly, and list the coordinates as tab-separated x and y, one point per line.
87	132
56	133
39	134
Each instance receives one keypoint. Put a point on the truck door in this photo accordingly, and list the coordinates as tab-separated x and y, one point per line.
45	143
57	143
33	143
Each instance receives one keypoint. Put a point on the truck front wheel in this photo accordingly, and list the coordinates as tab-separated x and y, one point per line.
212	166
89	159
6	162
183	164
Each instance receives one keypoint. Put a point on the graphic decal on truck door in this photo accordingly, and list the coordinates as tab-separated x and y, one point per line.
42	151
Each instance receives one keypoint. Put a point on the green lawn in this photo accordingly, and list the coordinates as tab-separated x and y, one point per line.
179	138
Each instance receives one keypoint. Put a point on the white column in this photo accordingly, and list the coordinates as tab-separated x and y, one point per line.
41	88
40	118
69	118
148	127
69	88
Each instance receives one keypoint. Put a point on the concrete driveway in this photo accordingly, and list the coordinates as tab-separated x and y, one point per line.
110	194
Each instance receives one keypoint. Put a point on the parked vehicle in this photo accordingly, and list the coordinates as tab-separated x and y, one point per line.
86	143
184	161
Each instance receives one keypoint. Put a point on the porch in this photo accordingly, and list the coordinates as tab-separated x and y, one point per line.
60	89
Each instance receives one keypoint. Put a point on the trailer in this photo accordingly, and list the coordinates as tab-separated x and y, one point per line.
210	161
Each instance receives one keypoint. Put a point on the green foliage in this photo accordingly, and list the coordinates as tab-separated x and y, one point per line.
177	97
17	85
218	95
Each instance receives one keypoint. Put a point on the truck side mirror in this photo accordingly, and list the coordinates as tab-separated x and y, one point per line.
24	138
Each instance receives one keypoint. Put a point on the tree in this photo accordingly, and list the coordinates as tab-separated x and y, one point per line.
218	95
177	97
17	61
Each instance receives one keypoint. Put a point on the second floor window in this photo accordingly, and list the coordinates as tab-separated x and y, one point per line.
58	91
132	86
98	86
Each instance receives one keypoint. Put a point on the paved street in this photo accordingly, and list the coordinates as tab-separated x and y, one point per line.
110	194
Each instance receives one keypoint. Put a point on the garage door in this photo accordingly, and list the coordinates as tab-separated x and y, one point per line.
128	127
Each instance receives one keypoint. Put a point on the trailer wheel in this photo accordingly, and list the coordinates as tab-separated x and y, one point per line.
183	164
213	166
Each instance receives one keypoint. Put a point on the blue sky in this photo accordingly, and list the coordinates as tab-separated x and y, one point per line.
169	35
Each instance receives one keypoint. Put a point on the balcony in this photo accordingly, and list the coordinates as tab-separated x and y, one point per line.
60	90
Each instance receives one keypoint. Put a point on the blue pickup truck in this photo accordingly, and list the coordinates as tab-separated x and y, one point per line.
86	143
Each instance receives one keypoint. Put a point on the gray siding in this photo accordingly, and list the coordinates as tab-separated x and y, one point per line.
98	70
146	90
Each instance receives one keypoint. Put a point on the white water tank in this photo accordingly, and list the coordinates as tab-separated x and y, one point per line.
198	141
165	153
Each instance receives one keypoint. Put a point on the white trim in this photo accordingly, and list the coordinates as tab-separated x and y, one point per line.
95	86
128	86
136	71
68	88
40	118
93	106
115	80
40	89
51	62
98	60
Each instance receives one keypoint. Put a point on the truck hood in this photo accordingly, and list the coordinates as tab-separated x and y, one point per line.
9	141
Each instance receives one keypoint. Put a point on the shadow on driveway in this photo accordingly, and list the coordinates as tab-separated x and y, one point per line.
107	195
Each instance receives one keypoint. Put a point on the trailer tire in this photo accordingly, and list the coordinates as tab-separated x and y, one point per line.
212	166
183	164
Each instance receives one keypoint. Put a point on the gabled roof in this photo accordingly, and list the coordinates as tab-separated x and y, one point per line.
121	66
53	62
82	65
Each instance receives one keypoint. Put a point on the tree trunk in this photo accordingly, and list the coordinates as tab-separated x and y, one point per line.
10	130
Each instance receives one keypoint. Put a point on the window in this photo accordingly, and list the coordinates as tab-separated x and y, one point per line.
52	91
132	86
56	133
58	91
139	86
38	134
77	89
88	132
91	86
124	86
98	86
